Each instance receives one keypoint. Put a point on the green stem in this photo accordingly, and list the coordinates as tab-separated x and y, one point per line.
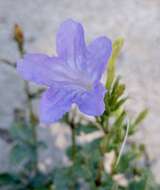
26	85
33	126
31	116
29	103
99	174
103	148
74	150
73	135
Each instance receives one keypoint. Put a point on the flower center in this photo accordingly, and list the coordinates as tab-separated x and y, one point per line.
80	79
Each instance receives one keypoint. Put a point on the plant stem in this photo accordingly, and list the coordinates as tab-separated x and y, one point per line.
31	116
73	136
74	149
99	174
71	123
105	129
33	126
29	103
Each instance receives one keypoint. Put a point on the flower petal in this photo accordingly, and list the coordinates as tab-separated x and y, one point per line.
49	71
71	44
37	68
54	104
92	103
99	52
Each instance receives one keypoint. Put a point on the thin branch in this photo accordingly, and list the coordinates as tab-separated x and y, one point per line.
8	62
123	144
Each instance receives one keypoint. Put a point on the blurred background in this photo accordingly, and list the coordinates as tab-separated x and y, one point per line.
137	21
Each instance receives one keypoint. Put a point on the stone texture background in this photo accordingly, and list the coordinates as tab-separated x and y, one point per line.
139	64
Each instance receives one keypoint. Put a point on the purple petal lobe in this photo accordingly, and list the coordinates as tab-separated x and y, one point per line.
54	104
38	68
52	72
99	52
71	43
92	103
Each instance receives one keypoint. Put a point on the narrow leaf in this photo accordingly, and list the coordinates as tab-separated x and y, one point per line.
116	47
141	117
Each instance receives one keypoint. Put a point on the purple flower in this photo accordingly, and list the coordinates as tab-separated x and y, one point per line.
71	77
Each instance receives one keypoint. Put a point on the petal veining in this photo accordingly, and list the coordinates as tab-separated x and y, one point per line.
71	44
55	103
52	71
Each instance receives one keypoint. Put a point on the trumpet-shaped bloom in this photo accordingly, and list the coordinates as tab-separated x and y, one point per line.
73	76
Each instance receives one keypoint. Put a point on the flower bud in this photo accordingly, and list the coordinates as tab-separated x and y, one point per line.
18	35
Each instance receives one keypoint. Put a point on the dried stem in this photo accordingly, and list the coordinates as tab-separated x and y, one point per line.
8	62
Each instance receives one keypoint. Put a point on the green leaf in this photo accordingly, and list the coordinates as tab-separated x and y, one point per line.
126	162
120	119
85	128
22	153
116	47
115	86
8	179
21	132
115	187
145	182
69	151
41	181
17	154
113	99
142	115
64	179
120	90
119	103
